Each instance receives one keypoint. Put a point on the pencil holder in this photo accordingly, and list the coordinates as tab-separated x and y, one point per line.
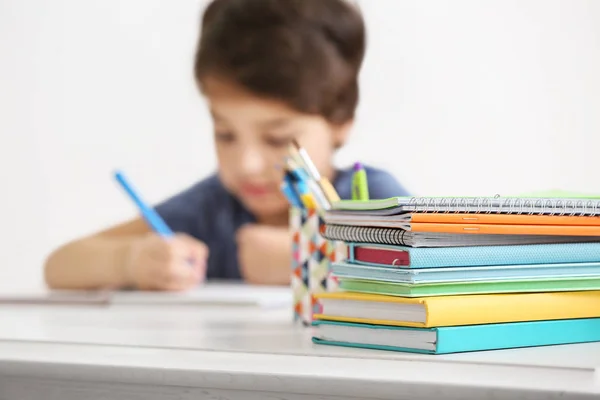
312	256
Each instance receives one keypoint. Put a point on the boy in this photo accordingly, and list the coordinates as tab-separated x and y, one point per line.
271	71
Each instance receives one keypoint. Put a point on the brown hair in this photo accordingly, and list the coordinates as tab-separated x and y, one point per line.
306	53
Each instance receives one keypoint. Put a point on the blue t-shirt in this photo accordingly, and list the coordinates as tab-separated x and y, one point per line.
208	212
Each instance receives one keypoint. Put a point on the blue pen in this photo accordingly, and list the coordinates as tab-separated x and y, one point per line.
148	213
287	187
306	185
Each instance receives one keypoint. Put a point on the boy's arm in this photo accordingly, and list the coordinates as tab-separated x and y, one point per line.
264	254
95	261
128	255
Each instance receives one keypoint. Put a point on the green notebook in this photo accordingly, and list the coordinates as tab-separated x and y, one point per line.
478	287
575	204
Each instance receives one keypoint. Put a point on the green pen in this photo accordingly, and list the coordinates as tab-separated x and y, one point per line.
360	187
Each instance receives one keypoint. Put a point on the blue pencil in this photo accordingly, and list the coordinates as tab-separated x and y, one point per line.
148	213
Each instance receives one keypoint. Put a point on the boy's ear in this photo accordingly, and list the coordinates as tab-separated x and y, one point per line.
341	133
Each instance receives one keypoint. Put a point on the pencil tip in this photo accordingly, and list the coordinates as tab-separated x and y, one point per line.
296	144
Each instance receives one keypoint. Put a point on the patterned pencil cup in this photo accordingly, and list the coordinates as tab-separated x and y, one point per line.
312	256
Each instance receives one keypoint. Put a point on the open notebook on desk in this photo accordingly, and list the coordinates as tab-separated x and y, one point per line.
223	294
210	294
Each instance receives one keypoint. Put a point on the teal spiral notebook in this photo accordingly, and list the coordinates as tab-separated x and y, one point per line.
343	269
457	339
488	255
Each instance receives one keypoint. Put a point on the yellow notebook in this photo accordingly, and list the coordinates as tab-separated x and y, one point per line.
427	312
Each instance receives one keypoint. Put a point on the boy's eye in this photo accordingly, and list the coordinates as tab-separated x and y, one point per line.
224	136
279	142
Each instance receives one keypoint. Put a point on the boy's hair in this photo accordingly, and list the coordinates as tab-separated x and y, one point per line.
306	53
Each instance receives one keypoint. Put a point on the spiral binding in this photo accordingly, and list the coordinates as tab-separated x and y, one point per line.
505	205
348	233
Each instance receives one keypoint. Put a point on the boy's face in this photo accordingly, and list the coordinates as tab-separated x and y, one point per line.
252	137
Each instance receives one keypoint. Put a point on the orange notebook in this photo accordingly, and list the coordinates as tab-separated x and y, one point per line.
506	229
504	219
503	224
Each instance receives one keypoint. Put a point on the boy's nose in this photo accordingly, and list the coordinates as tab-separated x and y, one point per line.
252	161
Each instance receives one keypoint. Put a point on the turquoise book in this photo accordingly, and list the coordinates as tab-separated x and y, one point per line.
424	257
457	339
345	270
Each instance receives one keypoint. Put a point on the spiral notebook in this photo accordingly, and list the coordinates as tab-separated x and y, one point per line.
575	206
410	257
397	236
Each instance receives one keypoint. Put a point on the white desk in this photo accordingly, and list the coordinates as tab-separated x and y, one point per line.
186	352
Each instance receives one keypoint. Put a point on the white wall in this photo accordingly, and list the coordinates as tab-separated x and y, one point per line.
460	97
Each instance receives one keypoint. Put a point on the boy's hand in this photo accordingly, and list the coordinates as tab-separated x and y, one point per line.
155	263
264	254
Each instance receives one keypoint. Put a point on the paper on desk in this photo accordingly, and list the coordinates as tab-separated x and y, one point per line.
213	294
234	294
44	296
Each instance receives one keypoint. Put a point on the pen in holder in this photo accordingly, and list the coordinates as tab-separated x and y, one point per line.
312	256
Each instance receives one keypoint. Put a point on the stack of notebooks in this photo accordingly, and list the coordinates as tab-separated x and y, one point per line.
446	275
